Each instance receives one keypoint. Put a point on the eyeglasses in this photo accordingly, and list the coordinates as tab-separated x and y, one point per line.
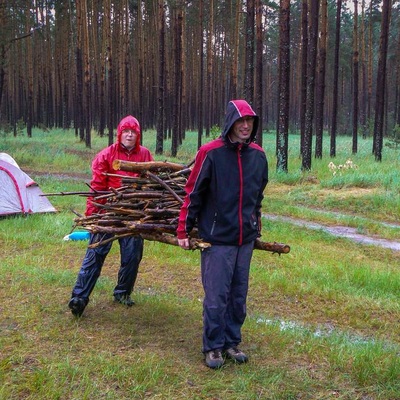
128	131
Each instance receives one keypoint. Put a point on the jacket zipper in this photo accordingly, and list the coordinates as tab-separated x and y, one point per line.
214	223
240	194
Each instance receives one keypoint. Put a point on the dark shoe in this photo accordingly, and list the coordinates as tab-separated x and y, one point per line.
236	354
214	359
124	299
77	305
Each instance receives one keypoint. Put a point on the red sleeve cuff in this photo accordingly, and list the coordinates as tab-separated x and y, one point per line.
181	235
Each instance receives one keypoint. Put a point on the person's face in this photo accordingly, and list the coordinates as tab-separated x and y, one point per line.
241	129
128	138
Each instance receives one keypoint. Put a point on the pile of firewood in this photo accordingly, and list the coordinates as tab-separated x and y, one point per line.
147	205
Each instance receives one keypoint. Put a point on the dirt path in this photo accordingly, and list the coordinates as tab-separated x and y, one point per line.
341	231
61	176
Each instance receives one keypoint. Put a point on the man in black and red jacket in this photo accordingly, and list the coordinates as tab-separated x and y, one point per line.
223	197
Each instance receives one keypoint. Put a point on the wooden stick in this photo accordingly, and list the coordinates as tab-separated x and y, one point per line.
164	185
274	247
169	239
140	167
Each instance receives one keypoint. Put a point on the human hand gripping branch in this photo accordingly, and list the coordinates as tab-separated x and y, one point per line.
184	243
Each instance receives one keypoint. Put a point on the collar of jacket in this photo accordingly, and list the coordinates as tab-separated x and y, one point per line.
124	148
236	145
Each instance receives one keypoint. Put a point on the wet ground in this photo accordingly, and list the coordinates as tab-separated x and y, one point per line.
341	231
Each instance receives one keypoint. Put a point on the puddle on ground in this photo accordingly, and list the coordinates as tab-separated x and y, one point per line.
321	331
341	231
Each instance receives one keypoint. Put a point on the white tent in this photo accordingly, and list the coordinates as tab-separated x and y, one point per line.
19	194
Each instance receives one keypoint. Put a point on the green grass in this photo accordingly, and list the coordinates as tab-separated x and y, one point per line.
323	321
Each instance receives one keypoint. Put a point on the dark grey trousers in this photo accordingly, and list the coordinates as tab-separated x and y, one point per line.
225	278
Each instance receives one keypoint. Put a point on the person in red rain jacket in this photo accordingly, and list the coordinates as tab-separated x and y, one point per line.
223	196
126	148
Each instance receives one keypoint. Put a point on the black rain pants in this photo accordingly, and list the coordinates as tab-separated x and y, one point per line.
131	252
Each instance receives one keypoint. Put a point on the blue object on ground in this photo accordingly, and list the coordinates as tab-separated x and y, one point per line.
78	236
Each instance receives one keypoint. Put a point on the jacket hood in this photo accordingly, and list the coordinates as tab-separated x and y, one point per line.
129	122
237	109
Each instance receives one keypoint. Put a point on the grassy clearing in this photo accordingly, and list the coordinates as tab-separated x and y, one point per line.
323	321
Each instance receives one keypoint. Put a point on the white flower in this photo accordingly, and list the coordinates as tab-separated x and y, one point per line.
341	167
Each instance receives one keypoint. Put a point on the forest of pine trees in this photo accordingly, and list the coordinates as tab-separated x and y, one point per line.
307	66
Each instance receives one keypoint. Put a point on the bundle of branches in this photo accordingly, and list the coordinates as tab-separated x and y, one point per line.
147	205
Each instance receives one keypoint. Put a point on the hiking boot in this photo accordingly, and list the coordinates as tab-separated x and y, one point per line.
124	299
236	354
214	359
77	305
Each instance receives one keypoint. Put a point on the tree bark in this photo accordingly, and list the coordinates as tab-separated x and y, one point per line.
249	56
381	81
201	76
146	166
259	71
319	107
209	95
29	77
176	131
355	78
161	78
79	108
284	78
335	81
312	57
303	78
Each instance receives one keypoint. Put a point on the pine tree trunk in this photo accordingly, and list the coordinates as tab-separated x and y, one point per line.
320	91
201	77
161	78
284	89
311	70
355	78
381	81
259	71
303	83
249	56
335	81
